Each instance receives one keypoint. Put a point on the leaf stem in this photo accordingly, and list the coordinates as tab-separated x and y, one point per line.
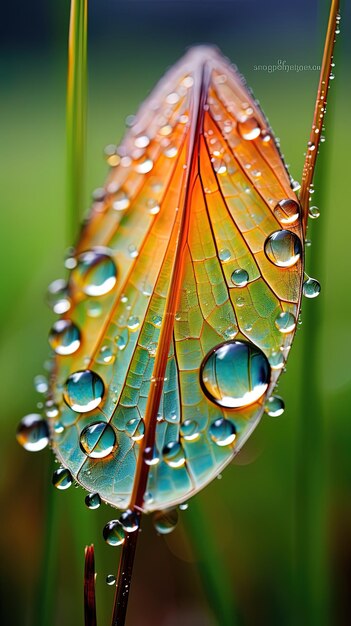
124	577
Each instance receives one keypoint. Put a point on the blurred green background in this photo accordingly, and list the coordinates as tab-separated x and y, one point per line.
269	543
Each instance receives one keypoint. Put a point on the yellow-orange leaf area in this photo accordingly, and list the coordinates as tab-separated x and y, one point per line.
183	294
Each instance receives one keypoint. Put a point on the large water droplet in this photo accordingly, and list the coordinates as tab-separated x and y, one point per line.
222	432
93	500
33	433
287	211
283	248
114	533
285	322
249	129
235	374
240	278
95	273
173	454
165	521
97	440
64	337
83	391
62	478
311	288
274	406
129	520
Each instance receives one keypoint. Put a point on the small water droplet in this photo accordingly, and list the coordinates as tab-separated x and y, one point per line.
189	429
170	152
64	337
133	322
133	251
314	212
151	456
157	320
92	501
106	355
311	288
142	141
94	308
287	211
276	360
59	428
95	273
240	278
144	166
153	207
331	75
235	374
51	409
222	432
98	440
249	129
62	478
33	433
41	384
129	520
113	533
173	454
283	248
224	255
121	201
83	391
295	185
184	506
135	428
274	406
110	580
285	322
57	296
165	521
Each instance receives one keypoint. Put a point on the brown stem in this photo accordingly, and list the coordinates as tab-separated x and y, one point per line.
89	588
124	577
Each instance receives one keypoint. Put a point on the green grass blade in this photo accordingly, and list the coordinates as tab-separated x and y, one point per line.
76	113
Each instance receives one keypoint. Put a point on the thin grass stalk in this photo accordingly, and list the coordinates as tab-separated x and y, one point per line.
312	480
76	114
76	148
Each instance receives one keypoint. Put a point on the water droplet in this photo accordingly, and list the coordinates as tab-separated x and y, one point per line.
110	579
189	429
311	288
235	374
249	129
224	255
33	433
97	440
173	454
133	322
51	409
135	428
276	360
240	278
133	251
285	322
106	355
287	211
94	308
314	212
170	152
142	141
222	432
95	273
153	207
283	248
41	384
83	391
274	406
121	201
93	501
151	456
295	185
184	506
64	337
157	320
331	75
165	521
129	520
114	533
59	428
144	166
57	296
62	478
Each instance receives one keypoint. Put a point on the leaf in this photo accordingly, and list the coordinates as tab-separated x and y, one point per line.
184	294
